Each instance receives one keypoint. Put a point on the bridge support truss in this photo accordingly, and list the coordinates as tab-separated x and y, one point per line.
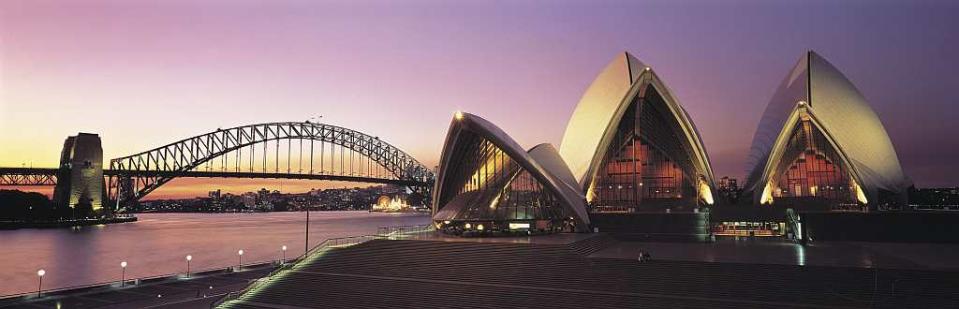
310	150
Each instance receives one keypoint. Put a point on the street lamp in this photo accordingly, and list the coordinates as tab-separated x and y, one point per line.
123	272
240	255
284	253
40	274
188	259
306	246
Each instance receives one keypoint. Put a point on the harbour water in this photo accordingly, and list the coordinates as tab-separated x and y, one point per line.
158	244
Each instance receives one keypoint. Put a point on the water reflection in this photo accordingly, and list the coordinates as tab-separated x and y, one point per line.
157	244
800	254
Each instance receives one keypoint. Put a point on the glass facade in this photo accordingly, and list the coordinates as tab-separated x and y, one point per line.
646	167
811	172
749	229
486	184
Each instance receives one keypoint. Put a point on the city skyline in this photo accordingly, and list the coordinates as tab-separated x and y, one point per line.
138	76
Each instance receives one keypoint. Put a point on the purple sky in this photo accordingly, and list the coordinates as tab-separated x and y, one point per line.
145	73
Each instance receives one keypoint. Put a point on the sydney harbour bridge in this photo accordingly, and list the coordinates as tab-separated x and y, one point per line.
282	150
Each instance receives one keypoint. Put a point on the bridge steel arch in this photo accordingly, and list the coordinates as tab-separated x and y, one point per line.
137	175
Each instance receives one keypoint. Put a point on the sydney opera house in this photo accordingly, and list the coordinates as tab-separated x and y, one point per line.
630	148
820	146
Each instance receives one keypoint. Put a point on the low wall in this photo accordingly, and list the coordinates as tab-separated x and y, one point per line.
935	227
653	226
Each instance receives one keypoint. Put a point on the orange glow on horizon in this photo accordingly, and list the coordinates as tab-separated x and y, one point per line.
183	188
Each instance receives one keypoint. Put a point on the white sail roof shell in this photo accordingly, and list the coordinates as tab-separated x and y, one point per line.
844	115
601	108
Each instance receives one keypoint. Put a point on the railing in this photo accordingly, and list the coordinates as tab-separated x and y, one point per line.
404	230
313	253
133	282
382	233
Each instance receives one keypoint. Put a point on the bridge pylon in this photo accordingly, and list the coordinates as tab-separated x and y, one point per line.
80	183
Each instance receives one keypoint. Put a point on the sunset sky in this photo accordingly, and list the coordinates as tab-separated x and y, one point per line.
145	73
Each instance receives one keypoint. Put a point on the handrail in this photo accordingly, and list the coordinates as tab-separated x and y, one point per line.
135	280
382	233
407	229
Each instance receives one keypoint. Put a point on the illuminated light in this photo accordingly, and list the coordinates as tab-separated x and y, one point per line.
189	257
479	227
458	115
803	103
495	202
390	204
591	192
123	264
240	252
860	196
468	226
283	248
767	197
481	176
648	68
705	192
446	222
41	272
518	226
813	189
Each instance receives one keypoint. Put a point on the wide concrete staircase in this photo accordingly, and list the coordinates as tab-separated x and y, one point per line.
466	274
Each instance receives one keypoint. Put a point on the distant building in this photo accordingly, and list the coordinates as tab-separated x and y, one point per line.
249	200
728	184
934	199
214	195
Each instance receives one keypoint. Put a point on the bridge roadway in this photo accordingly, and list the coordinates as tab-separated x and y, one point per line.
32	176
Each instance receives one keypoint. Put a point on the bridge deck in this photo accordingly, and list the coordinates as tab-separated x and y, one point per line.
52	172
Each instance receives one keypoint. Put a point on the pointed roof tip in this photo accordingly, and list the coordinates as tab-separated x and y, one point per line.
635	66
812	54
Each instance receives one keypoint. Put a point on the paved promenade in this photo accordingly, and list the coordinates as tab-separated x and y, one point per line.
200	291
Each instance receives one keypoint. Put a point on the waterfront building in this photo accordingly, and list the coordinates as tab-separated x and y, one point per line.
819	146
632	147
487	182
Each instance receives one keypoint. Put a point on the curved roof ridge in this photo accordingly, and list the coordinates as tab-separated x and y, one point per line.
548	157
